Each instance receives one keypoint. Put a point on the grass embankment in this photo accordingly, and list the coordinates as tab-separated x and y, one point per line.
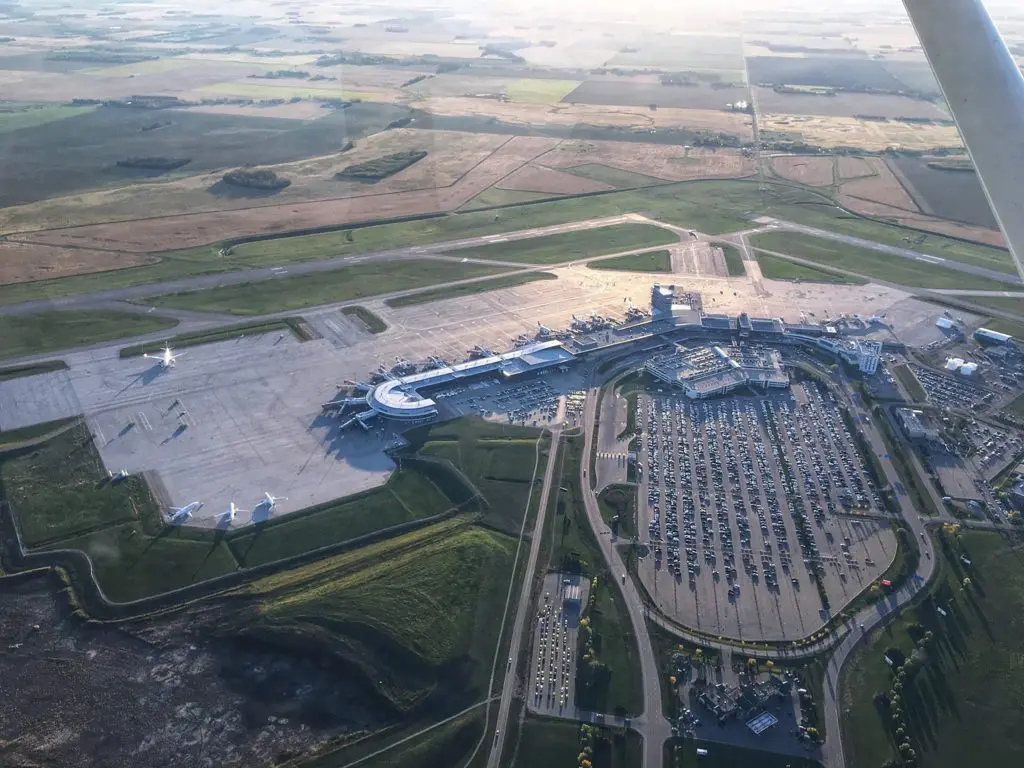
733	259
961	696
615	687
372	322
1001	303
309	290
14	437
32	369
571	246
652	261
497	459
469	289
545	742
293	325
416	617
51	331
494	196
871	263
910	383
63	499
776	268
449	744
408	495
682	753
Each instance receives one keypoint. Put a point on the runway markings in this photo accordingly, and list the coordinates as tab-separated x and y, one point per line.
609	455
144	422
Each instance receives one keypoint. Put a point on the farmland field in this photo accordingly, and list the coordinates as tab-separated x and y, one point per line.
846	105
14	117
871	263
498	196
534	178
309	290
947	194
540	91
867	135
834	71
815	171
81	152
686	52
570	246
616	177
630	94
288	90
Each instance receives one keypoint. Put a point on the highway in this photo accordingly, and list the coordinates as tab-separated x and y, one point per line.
522	615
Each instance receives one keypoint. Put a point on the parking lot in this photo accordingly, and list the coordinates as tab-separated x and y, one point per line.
751	503
553	666
948	391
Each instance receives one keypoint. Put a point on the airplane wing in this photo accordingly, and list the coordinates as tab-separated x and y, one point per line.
985	91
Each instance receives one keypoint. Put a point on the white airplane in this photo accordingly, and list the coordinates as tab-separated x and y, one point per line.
166	356
118	476
270	502
181	514
232	510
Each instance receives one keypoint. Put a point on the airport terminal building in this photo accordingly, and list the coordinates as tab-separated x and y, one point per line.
712	370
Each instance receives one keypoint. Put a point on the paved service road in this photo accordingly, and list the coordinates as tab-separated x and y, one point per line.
522	617
652	726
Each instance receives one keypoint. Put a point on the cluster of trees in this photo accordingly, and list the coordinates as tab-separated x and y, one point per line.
258	178
586	755
381	167
154	163
892	704
592	675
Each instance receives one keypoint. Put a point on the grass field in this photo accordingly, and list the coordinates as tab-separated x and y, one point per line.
540	90
449	744
373	323
288	90
733	259
571	246
57	490
32	369
570	546
13	437
618	508
1016	407
775	268
414	616
498	459
872	263
682	753
615	176
309	290
910	383
1002	303
51	331
408	495
17	116
493	196
293	325
962	698
652	261
1014	328
456	291
544	742
710	206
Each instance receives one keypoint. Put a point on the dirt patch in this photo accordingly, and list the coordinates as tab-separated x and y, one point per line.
76	695
815	171
23	262
854	167
451	154
663	161
533	178
869	135
173	232
302	110
883	187
576	114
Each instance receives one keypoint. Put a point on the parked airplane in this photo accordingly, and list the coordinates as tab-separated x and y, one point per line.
166	356
270	502
232	510
181	514
117	476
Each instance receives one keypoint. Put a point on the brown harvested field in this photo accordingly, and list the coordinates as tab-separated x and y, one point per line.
869	135
184	231
534	178
854	167
451	154
806	169
576	114
23	262
883	188
663	161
